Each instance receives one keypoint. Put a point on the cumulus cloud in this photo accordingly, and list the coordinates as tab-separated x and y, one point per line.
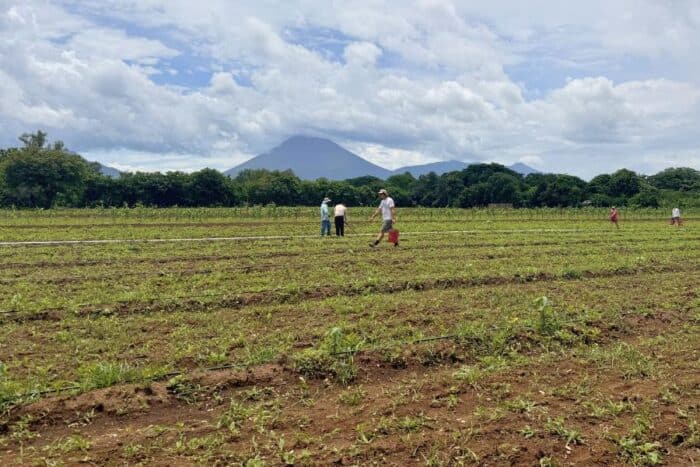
362	53
183	85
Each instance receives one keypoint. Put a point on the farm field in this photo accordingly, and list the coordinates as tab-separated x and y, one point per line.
239	337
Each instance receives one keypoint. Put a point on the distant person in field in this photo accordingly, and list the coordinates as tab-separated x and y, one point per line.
341	218
325	218
387	208
614	216
676	217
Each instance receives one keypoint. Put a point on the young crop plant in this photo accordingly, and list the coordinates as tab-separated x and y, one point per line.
608	408
334	357
9	390
636	448
472	375
689	438
558	428
520	405
234	417
21	431
527	432
353	396
639	453
626	359
73	443
412	424
365	434
547	323
103	375
183	389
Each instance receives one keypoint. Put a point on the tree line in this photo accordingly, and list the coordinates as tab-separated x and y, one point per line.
40	174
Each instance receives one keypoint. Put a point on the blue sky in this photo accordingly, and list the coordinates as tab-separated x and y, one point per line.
180	85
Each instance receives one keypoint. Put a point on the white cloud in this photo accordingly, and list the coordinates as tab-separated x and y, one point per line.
400	82
533	161
362	53
389	158
113	44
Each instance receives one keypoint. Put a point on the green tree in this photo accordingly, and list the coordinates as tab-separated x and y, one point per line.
648	197
504	187
600	184
405	181
624	183
554	190
40	176
37	140
209	187
677	179
262	186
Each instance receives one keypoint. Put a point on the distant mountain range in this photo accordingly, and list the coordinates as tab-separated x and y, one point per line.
311	158
523	169
109	171
437	167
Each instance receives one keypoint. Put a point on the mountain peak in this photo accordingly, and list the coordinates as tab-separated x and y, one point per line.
439	168
523	169
311	157
307	142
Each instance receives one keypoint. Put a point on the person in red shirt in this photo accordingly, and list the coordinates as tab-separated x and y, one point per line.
613	216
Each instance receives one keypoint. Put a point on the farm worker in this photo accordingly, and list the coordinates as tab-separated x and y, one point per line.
613	216
388	210
325	219
341	218
676	217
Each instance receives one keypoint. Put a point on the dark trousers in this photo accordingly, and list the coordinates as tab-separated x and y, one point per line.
340	226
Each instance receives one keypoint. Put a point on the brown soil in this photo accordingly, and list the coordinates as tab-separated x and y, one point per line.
455	420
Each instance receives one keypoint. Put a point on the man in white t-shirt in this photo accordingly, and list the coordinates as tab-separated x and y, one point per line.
388	210
341	219
676	217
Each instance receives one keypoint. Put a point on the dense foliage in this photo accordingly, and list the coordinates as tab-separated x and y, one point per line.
45	175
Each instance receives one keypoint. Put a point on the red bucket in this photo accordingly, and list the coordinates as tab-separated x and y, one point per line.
394	236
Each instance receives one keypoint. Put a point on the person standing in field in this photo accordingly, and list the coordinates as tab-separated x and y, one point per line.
676	217
614	216
387	208
325	218
341	218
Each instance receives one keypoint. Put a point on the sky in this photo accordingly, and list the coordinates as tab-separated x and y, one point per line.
573	87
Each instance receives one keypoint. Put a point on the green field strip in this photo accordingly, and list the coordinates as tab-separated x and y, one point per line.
48	354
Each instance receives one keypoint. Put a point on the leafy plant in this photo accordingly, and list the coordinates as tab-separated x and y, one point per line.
547	323
74	443
183	389
557	427
353	396
234	417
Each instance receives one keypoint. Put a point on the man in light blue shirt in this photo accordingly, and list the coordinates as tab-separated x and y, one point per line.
325	217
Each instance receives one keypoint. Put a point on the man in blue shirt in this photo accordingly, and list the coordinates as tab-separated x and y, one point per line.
325	218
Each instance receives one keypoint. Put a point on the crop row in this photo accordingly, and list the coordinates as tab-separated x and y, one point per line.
306	225
254	249
359	272
83	216
44	354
